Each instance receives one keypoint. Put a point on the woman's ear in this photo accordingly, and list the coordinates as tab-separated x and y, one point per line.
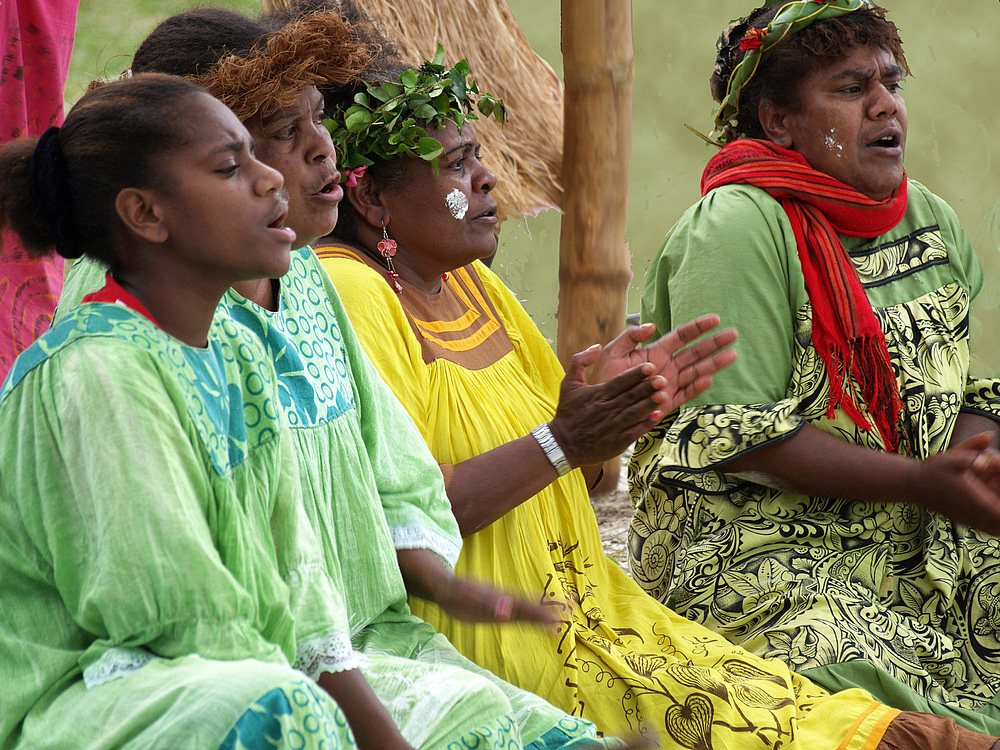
367	201
774	121
138	211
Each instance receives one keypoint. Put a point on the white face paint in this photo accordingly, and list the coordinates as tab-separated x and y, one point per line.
458	204
830	141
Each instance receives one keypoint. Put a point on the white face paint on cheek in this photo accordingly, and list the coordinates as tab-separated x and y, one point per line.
830	141
458	204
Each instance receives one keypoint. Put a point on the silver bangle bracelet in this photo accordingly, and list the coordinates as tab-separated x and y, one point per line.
551	449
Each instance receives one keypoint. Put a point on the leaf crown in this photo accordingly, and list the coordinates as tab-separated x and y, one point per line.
383	121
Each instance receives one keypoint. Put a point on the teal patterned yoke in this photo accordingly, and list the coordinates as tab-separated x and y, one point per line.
889	597
225	423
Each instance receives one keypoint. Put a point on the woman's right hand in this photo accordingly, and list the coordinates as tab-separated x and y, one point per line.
595	423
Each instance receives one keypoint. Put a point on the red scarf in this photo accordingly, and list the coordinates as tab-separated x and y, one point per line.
845	331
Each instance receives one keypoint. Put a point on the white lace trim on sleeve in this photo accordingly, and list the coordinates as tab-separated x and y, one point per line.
114	663
330	653
415	536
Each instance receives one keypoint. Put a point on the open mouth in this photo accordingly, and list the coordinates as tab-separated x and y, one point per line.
889	140
489	214
279	222
277	225
331	191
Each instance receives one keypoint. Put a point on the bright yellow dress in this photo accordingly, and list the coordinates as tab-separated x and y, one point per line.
479	374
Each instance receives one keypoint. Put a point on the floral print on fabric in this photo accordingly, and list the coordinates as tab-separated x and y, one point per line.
697	699
816	581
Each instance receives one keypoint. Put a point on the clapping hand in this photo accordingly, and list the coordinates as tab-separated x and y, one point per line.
686	372
611	395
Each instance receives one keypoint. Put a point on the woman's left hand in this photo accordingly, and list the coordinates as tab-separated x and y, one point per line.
470	601
427	577
686	372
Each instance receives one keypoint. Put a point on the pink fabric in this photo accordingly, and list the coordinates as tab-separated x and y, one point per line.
37	39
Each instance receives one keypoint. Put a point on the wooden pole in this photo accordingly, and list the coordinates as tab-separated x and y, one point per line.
597	144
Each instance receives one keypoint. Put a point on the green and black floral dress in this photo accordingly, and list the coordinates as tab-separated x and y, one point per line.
889	597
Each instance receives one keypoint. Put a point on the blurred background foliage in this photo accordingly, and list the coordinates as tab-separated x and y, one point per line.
952	102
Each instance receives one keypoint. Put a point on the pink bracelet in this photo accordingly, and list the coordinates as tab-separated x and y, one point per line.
504	608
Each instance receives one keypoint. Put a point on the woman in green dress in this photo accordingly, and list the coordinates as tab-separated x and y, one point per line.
830	500
162	597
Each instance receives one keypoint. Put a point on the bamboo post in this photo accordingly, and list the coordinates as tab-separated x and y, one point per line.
597	143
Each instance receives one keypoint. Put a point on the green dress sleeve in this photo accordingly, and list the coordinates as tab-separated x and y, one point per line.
410	484
116	493
318	606
733	253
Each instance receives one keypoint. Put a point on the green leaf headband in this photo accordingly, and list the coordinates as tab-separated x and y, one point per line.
790	19
382	121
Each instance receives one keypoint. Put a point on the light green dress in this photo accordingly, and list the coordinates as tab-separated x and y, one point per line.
889	597
147	534
369	487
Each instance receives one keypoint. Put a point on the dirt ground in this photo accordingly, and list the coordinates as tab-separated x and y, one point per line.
614	511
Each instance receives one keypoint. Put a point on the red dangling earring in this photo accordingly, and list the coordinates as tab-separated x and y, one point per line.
387	247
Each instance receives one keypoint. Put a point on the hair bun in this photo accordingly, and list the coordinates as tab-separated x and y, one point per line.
50	188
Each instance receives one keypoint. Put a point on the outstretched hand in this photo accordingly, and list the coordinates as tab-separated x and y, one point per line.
427	577
471	601
962	483
687	372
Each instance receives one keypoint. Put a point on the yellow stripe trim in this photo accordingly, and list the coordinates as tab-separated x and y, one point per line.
875	738
474	290
335	252
470	342
429	327
449	326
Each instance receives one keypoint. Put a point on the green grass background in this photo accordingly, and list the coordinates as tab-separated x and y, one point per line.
952	99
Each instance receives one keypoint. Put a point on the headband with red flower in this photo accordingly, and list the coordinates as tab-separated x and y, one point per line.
791	18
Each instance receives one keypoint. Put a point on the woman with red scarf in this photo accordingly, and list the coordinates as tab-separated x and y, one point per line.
831	499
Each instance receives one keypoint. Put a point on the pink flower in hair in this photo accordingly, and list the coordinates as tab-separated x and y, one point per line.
351	175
